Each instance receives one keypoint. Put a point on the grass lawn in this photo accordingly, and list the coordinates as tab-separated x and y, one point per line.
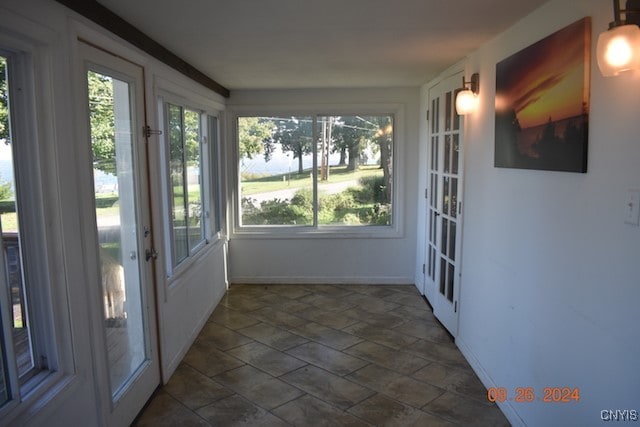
281	181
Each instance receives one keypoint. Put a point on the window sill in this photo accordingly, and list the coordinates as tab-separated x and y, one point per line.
325	232
213	244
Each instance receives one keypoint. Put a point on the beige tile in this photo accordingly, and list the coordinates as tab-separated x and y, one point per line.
278	317
371	304
327	336
397	386
290	291
327	303
328	387
327	358
377	291
232	319
461	410
407	298
423	314
222	337
247	288
453	379
273	336
165	411
327	318
382	320
447	354
379	410
309	411
410	375
424	330
193	389
209	360
380	335
395	360
258	387
334	291
241	302
266	359
283	303
236	411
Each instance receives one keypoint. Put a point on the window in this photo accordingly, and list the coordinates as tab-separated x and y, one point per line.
316	171
191	154
25	353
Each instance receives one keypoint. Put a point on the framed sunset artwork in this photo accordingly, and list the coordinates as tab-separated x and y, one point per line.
542	103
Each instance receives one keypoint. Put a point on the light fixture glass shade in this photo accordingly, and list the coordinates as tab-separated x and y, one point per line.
618	50
466	102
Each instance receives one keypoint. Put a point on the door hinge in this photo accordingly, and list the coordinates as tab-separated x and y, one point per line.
424	268
427	115
459	208
455	307
147	131
426	193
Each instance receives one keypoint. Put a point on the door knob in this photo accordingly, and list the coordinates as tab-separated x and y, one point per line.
151	253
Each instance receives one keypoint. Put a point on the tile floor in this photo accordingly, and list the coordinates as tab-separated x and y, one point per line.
322	355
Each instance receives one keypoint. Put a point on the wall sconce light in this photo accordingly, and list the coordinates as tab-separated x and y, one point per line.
618	48
467	98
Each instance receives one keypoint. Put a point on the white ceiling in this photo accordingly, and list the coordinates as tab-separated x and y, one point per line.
278	44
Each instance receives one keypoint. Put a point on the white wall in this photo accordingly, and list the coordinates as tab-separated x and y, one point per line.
551	274
264	259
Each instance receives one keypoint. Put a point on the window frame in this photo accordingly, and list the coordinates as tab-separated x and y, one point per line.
394	230
31	130
209	170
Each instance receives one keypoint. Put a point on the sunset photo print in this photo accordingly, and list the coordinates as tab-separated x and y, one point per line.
542	103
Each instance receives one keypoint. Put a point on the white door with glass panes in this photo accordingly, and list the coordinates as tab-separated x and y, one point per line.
127	355
444	202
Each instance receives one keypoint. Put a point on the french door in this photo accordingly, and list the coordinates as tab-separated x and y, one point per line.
444	203
127	356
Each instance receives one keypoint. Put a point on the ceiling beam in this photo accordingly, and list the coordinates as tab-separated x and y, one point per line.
102	16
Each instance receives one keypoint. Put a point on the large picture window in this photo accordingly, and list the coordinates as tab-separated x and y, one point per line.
316	171
192	201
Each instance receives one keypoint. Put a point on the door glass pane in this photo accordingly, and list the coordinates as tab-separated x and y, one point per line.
434	141
450	277
447	113
447	153
443	275
112	142
452	240
443	242
454	197
434	191
456	117
445	196
455	155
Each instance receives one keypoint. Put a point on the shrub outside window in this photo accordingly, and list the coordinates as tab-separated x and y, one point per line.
316	171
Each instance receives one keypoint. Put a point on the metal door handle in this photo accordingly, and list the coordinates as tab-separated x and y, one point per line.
151	253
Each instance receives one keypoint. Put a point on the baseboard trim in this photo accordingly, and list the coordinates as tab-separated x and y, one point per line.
323	280
507	409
